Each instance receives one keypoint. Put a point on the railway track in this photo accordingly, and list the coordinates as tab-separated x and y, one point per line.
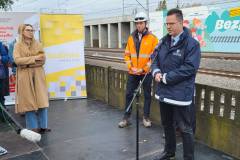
228	74
213	72
119	53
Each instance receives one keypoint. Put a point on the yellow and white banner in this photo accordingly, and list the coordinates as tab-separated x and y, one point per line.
63	40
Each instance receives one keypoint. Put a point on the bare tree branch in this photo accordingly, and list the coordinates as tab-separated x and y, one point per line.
6	4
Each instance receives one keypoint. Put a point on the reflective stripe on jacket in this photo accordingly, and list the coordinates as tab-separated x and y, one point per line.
140	60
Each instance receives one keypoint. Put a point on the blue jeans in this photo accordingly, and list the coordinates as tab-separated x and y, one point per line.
37	119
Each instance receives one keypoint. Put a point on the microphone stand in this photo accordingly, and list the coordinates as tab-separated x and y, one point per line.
136	95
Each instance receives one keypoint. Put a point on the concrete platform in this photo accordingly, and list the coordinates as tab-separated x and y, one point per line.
87	130
19	148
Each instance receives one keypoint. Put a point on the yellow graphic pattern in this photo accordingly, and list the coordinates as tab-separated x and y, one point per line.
235	12
54	77
59	29
74	84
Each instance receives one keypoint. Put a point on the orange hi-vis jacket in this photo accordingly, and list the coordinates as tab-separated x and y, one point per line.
146	48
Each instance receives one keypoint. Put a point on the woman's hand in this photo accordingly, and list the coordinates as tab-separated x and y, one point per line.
40	57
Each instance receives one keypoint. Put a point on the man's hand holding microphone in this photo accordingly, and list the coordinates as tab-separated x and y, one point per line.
158	77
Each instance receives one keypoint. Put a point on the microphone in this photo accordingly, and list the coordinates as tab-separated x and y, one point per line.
23	132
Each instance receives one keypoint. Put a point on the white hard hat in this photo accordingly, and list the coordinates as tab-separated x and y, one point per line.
140	17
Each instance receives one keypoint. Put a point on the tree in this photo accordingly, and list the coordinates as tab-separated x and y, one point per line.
6	4
162	5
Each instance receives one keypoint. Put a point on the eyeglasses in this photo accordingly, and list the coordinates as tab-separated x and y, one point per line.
170	24
29	30
139	18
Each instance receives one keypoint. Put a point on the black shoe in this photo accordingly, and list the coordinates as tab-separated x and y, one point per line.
166	156
44	130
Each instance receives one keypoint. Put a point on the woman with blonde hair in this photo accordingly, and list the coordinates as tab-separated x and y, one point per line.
31	89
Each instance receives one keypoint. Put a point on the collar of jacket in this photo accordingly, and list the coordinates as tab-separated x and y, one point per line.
167	39
137	43
135	33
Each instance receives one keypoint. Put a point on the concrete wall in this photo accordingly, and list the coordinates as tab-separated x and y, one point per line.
108	20
113	35
104	36
95	36
125	32
87	36
132	26
108	33
219	129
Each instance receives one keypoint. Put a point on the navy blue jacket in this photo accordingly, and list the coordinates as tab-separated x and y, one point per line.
178	65
4	54
4	80
10	53
3	62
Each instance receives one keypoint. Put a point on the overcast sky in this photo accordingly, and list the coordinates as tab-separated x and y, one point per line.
95	8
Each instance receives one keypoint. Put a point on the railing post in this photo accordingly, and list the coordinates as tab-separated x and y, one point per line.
106	81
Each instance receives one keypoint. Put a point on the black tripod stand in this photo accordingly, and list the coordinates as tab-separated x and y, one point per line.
136	95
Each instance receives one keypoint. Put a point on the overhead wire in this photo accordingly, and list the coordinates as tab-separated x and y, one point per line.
129	7
132	6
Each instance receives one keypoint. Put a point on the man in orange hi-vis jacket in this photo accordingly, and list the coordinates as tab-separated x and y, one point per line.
141	44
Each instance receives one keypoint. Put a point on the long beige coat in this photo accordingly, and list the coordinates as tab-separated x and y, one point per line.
31	88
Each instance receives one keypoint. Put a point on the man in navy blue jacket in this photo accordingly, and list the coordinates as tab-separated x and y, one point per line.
175	67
